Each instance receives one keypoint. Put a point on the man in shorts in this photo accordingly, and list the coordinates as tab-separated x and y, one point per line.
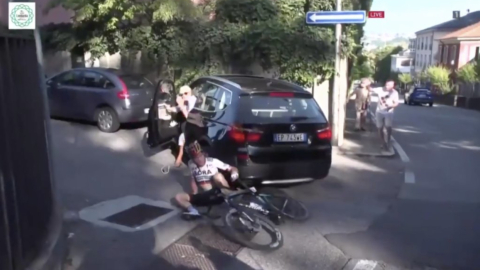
205	173
362	100
387	101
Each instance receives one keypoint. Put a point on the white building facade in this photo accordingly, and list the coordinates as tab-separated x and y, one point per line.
402	62
412	44
426	48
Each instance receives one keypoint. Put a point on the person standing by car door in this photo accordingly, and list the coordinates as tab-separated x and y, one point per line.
193	127
362	101
387	101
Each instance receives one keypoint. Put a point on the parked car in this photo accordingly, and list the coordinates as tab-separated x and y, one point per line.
272	130
419	95
107	97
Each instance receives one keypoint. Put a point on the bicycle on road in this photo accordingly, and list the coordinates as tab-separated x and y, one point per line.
243	224
251	210
272	203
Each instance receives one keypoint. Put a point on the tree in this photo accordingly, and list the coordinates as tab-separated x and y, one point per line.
113	26
439	76
362	67
215	36
406	79
383	61
476	63
362	71
468	74
423	76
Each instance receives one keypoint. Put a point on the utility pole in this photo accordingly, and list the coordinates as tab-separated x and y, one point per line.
336	81
339	87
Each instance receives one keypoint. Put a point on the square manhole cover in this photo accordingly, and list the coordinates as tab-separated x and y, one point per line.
137	215
131	213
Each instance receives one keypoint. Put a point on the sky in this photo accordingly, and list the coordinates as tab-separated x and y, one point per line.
410	16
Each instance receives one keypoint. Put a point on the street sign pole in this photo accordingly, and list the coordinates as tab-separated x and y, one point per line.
337	82
338	18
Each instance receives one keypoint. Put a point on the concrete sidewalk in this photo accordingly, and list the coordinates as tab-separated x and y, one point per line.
361	143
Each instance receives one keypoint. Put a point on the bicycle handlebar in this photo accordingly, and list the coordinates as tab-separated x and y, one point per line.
241	183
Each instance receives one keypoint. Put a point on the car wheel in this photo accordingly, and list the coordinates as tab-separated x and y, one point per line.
107	120
430	104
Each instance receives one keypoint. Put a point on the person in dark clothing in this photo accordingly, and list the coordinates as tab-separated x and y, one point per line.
193	127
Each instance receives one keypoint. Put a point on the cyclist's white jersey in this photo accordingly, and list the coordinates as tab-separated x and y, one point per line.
204	174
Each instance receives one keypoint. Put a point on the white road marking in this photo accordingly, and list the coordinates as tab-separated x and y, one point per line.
409	175
400	151
365	265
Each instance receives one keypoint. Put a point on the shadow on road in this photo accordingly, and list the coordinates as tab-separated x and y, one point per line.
126	126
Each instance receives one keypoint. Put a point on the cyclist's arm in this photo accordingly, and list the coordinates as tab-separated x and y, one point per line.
224	166
181	143
194	186
180	155
193	183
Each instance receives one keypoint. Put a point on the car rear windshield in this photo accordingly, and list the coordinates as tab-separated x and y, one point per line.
266	109
136	82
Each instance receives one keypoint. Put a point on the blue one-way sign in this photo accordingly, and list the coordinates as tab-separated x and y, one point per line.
334	17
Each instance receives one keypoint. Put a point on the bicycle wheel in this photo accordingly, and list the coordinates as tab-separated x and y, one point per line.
285	204
244	227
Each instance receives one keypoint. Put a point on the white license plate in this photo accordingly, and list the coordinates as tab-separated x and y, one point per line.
421	96
146	110
290	137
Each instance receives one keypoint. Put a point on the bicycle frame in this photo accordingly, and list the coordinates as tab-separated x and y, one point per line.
272	214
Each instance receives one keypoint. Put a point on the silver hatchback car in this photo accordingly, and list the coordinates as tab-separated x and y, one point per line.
107	97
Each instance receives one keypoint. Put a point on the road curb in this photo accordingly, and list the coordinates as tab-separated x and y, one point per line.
355	264
340	151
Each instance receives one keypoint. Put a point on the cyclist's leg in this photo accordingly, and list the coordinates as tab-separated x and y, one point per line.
206	198
185	201
220	181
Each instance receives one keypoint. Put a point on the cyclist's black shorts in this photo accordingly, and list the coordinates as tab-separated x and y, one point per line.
207	198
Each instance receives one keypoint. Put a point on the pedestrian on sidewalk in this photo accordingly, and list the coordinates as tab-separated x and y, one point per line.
387	101
362	102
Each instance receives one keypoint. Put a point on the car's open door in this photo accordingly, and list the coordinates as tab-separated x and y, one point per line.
154	138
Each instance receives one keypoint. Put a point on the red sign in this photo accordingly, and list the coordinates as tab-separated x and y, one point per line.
376	14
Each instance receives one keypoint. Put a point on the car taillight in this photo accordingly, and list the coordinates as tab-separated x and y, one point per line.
124	93
280	94
242	136
325	134
242	156
253	136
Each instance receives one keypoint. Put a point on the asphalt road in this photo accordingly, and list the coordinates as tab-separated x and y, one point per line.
435	220
362	211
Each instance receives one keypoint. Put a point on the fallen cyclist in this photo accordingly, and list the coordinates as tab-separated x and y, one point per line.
205	173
